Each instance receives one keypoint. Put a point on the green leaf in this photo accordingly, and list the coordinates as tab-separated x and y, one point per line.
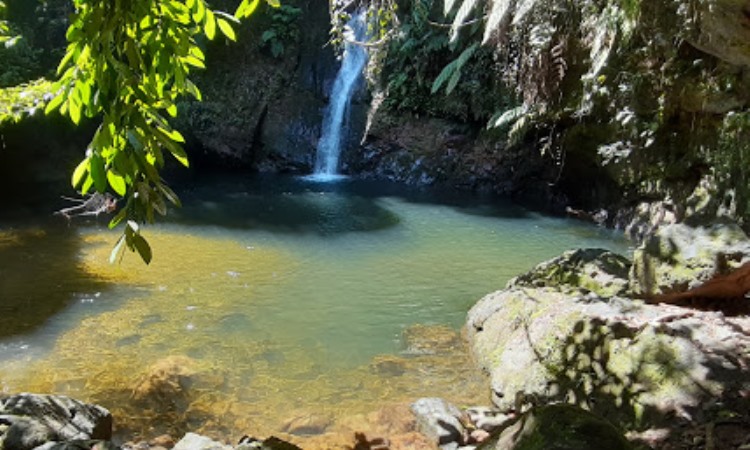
133	226
87	183
199	11
66	59
246	8
54	103
274	3
119	217
169	194
74	107
193	61
141	245
79	172
227	29
117	250
117	183
210	25
268	35
98	173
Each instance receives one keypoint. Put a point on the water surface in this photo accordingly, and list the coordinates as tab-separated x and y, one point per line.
268	299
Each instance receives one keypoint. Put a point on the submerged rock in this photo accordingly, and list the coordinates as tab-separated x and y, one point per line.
559	427
422	339
166	383
33	420
308	424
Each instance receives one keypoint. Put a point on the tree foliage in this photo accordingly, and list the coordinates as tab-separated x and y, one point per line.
127	63
4	28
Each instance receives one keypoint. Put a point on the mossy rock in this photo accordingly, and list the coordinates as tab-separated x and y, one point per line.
559	427
592	269
614	356
678	257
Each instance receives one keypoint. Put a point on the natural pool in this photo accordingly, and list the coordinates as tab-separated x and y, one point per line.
272	305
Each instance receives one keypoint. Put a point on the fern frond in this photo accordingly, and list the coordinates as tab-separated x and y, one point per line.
501	9
463	13
448	6
522	9
503	118
452	71
519	129
444	75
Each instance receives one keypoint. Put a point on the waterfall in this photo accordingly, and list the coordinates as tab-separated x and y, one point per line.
354	59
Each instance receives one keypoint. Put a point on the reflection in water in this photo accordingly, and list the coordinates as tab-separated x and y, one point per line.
39	277
287	206
269	299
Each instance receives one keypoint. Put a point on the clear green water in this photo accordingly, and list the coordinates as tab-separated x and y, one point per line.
274	297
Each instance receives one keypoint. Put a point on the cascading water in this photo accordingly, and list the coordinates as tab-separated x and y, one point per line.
354	59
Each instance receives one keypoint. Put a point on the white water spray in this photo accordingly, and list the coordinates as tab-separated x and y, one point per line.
354	59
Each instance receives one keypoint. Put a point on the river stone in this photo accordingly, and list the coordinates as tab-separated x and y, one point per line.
440	422
559	427
678	257
35	419
597	270
308	424
631	362
193	441
79	445
166	384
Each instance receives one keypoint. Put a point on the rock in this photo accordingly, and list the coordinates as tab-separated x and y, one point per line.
678	257
478	436
308	424
24	434
422	339
489	419
721	28
597	270
79	445
440	422
166	383
34	419
164	440
192	441
388	365
271	443
633	363
391	420
559	427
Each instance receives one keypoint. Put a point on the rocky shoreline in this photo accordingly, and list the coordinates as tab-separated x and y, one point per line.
652	344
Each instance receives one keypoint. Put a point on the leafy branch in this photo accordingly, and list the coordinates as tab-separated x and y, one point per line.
128	62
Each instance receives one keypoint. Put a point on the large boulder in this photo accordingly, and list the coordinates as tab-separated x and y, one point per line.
633	363
31	420
678	257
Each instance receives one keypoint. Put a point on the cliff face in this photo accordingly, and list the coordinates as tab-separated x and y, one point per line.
263	98
632	111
